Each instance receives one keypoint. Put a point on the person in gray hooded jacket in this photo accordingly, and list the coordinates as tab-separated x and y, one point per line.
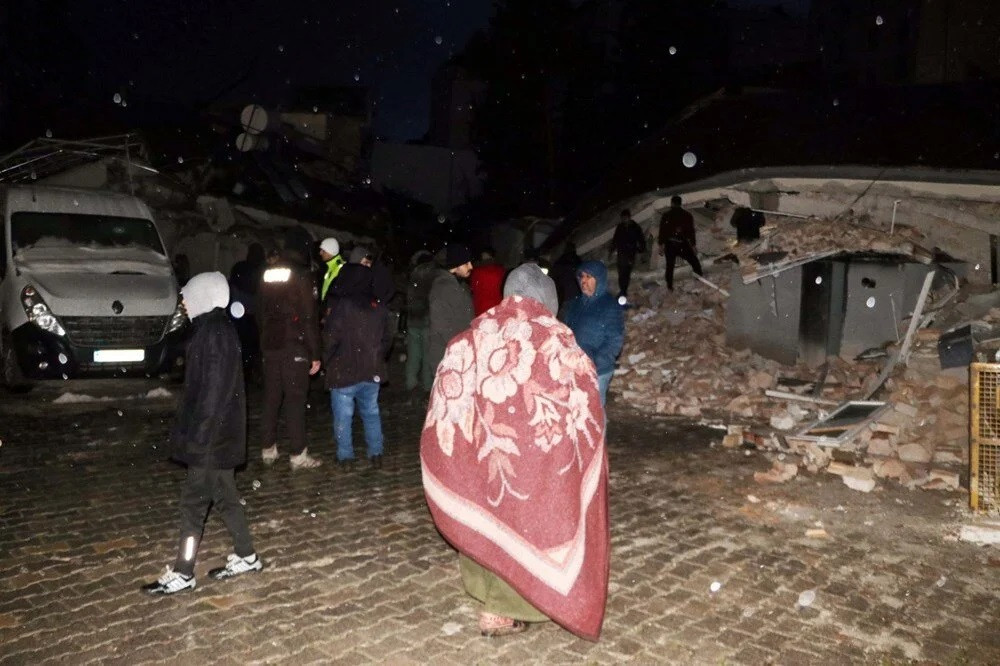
209	436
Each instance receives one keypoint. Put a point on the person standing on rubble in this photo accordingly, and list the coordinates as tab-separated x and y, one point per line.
597	321
677	238
449	302
628	242
289	340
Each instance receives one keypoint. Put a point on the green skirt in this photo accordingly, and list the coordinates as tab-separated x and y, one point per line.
499	597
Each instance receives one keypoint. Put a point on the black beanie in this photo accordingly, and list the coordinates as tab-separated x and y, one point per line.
455	255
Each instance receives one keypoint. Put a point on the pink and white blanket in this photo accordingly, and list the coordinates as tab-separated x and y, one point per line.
514	464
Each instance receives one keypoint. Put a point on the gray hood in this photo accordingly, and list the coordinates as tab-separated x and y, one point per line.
529	281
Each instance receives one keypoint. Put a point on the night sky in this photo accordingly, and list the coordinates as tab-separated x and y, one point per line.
182	54
163	56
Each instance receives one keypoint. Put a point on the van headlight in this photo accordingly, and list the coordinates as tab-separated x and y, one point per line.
38	312
179	318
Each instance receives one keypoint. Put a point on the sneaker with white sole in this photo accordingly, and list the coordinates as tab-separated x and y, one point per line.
269	455
169	583
304	461
236	565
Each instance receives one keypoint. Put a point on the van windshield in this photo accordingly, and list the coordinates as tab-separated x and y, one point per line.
57	231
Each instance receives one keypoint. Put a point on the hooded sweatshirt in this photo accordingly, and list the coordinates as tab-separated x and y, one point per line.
597	321
210	430
356	332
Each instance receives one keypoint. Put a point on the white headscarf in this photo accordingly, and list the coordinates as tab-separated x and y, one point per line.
205	292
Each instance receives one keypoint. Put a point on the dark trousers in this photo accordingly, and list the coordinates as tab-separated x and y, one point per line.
677	248
625	266
203	489
286	387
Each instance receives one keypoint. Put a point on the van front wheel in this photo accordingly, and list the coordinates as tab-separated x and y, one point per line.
10	370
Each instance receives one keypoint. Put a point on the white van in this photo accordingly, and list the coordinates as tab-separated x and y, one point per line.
85	286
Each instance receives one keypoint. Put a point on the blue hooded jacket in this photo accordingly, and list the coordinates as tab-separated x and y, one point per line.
597	321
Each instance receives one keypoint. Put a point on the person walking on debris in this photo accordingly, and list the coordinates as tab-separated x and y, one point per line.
329	252
422	272
597	322
449	302
355	342
209	436
628	242
289	340
514	464
677	238
486	282
747	223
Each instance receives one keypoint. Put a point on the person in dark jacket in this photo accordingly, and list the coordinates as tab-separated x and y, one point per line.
289	340
628	242
449	302
747	223
597	321
209	436
244	278
355	342
422	272
677	239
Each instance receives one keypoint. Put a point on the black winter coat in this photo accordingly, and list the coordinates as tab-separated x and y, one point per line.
356	335
210	430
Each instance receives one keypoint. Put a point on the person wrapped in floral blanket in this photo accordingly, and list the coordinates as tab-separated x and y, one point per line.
515	468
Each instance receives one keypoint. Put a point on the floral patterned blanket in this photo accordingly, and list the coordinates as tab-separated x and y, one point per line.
514	463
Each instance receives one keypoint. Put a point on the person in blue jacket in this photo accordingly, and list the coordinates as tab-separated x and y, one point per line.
596	319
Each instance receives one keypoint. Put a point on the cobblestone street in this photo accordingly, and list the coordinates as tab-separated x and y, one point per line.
355	572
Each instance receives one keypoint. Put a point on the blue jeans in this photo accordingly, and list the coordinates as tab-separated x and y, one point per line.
342	405
602	384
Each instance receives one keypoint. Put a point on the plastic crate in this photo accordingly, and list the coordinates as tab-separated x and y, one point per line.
984	437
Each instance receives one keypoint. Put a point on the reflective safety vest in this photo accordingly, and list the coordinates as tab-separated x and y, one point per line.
332	271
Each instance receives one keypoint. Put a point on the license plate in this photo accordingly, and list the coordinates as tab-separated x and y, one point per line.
119	355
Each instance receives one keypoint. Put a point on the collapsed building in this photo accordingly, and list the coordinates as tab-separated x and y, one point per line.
840	340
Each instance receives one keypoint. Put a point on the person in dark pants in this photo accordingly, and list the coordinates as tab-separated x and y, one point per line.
210	436
677	239
628	242
289	340
244	277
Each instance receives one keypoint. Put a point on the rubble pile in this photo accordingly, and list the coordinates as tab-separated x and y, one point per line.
676	362
796	241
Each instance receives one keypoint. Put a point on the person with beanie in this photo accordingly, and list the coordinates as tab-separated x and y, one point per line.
329	252
449	302
209	436
596	319
356	340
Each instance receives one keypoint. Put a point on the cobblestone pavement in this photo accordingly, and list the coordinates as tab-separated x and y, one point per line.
355	572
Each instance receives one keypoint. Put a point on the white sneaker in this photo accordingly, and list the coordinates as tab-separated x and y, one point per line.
169	583
269	455
236	565
304	461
